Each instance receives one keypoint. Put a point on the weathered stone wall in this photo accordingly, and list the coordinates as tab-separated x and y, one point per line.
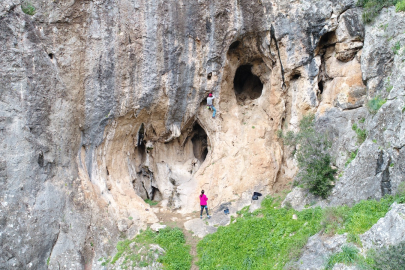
80	78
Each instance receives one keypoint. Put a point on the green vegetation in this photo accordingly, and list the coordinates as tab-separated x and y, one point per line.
354	238
269	237
400	6
150	202
28	8
349	255
351	157
396	47
375	104
361	133
357	219
373	7
312	153
176	257
388	258
385	258
265	239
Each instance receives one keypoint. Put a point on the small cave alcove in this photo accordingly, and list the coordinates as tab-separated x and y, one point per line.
247	86
140	145
200	142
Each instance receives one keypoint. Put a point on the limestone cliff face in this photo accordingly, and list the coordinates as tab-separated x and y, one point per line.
103	106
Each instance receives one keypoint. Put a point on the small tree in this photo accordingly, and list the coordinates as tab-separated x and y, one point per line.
312	153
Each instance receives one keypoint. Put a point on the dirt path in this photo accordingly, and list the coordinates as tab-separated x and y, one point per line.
177	220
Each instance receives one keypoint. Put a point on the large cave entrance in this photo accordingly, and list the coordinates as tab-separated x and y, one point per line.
247	86
200	143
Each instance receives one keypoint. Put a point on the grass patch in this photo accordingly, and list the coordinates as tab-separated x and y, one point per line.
150	202
373	7
141	254
352	156
375	104
269	238
400	6
28	8
396	47
361	133
349	255
265	239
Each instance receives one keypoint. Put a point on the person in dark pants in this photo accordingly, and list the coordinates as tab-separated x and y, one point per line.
203	204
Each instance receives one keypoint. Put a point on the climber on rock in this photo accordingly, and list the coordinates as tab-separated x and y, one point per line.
203	204
210	104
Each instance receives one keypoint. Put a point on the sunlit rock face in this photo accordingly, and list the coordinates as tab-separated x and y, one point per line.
103	105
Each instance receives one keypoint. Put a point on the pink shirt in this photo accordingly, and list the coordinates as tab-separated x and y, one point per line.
203	200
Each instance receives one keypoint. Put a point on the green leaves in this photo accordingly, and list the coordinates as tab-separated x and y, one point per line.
312	154
267	239
373	7
375	104
176	257
28	8
361	133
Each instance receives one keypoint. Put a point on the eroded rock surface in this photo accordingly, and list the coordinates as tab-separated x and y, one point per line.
103	106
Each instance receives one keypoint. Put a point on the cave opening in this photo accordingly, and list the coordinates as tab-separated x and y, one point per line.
155	194
247	86
200	142
140	145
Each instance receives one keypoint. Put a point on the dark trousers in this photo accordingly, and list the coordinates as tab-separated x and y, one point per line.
202	209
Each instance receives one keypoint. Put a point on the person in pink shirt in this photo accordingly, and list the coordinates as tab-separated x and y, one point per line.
203	203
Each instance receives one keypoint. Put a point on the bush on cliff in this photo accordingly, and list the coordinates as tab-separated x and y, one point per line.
373	7
312	153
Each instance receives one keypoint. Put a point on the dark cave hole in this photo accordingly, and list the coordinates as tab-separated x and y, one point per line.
140	145
246	84
108	173
155	194
209	76
41	159
200	142
141	134
50	55
320	87
295	76
234	45
328	39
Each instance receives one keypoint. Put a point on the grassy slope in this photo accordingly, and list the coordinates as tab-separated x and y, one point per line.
270	237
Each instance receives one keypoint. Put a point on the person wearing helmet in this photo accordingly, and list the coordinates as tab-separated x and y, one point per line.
210	104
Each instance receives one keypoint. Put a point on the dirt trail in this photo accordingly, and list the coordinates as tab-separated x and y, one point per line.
177	220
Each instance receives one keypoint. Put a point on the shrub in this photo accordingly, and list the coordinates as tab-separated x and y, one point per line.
312	153
373	7
28	8
361	133
375	104
400	6
389	258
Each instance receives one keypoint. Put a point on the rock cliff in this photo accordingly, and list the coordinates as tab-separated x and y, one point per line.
103	105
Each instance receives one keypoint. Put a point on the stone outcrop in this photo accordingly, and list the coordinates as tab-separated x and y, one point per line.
103	106
388	231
